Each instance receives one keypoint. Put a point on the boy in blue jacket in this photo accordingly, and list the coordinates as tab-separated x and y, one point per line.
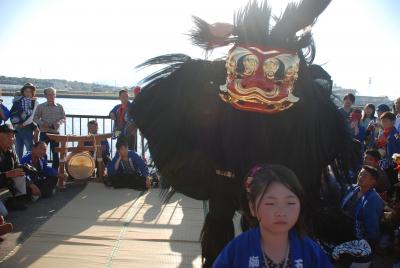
45	177
127	169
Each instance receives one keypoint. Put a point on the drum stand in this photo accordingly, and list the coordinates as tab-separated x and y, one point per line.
63	149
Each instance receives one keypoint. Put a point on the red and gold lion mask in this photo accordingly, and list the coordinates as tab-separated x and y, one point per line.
260	79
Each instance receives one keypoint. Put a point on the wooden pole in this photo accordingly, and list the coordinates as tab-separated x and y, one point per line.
61	168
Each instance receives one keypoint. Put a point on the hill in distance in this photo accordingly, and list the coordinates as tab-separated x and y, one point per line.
62	85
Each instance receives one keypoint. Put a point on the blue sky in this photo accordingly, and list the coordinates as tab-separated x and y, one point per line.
102	41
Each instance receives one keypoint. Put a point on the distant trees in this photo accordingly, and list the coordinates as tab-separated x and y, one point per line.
56	83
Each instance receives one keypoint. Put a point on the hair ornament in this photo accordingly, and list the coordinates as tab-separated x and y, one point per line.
247	184
249	180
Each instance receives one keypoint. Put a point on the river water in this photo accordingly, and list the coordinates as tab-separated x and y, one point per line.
77	106
94	107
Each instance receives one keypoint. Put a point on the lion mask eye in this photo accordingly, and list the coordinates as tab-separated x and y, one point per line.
241	62
247	65
282	67
270	67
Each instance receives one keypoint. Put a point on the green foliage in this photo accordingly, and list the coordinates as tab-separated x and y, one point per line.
56	83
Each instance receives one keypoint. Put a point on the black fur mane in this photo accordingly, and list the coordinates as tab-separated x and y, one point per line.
255	24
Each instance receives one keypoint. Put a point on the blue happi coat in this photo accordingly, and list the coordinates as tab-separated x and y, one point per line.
135	163
245	251
43	168
367	213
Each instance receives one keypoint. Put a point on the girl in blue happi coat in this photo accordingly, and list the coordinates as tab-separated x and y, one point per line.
275	201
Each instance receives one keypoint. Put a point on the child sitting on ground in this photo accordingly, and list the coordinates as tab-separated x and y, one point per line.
355	231
42	179
275	199
372	158
93	129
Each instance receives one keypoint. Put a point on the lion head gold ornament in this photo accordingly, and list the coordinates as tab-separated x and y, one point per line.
268	49
260	79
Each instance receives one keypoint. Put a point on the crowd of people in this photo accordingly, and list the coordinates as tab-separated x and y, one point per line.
367	220
371	205
376	181
24	167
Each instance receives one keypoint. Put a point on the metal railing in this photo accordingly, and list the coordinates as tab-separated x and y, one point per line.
76	124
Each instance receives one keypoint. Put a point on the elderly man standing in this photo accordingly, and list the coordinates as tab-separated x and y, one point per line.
49	116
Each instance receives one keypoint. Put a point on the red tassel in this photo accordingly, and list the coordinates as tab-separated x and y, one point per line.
136	90
221	29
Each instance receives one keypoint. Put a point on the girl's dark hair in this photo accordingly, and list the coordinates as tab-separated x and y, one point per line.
260	178
372	107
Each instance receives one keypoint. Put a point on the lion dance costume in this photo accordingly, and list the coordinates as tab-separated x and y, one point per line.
208	122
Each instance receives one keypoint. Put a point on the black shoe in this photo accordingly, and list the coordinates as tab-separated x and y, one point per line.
155	182
13	203
107	181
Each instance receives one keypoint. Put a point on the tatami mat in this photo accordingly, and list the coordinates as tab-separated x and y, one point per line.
104	227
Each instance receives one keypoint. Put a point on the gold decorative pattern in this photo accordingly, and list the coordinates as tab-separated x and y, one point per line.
260	81
270	67
250	63
253	90
255	98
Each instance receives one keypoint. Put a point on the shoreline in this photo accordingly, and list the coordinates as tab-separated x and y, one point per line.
74	96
